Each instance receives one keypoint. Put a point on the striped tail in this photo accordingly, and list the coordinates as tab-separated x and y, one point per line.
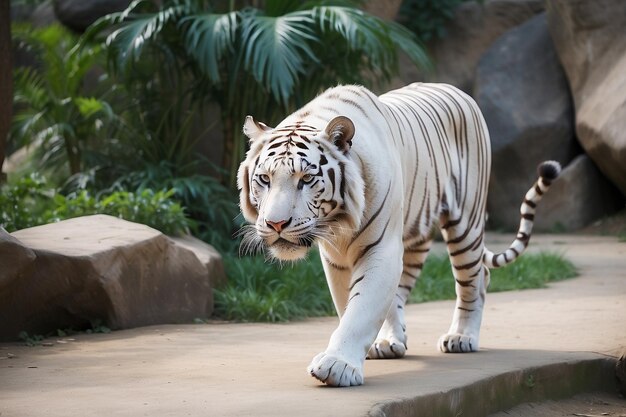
548	172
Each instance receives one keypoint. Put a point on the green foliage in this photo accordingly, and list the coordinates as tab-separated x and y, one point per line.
250	60
31	339
52	111
529	271
258	291
435	281
532	271
97	326
24	203
427	18
30	202
206	200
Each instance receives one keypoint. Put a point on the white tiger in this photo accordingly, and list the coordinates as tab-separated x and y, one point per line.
368	177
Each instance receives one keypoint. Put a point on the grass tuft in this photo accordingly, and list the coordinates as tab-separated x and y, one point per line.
258	291
531	270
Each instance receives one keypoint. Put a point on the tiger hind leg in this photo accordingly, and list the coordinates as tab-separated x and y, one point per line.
465	245
391	341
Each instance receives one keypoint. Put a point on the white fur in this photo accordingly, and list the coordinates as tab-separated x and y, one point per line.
419	156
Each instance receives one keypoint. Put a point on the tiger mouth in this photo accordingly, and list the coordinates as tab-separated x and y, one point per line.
282	243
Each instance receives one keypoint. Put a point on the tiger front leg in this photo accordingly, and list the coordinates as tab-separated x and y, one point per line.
373	285
391	342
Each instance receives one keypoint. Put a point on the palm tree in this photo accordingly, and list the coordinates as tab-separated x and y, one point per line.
256	60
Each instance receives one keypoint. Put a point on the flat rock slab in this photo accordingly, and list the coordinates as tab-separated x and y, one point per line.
101	269
259	369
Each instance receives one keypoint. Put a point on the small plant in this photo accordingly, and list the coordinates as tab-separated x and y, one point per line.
97	327
31	339
529	382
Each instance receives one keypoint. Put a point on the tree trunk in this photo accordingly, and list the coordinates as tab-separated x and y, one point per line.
387	10
6	80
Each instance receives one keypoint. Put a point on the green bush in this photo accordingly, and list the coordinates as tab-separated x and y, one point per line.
24	203
209	203
30	202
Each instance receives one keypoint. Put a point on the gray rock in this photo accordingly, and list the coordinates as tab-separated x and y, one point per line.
590	39
474	28
102	268
579	196
79	14
524	96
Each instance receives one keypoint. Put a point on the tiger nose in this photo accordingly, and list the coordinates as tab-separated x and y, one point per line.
278	226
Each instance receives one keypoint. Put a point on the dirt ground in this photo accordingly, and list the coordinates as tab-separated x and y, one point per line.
583	405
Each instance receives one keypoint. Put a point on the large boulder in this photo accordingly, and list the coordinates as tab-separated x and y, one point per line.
100	268
79	14
590	39
579	196
524	96
473	29
14	257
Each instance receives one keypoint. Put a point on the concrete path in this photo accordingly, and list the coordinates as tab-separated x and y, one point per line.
533	342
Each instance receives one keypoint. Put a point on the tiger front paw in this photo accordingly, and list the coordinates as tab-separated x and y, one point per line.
335	372
457	343
387	349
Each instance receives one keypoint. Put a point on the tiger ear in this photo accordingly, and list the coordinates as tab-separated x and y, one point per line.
250	212
253	129
340	131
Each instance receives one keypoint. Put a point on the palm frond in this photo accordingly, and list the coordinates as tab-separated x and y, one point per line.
208	37
277	49
135	27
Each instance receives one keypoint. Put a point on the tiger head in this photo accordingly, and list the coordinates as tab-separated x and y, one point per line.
299	184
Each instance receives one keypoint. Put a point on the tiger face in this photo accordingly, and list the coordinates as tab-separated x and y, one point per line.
293	186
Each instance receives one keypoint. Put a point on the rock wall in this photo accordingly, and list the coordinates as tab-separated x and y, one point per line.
470	33
551	86
590	39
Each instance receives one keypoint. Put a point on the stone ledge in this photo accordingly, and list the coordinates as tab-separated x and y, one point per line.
548	382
